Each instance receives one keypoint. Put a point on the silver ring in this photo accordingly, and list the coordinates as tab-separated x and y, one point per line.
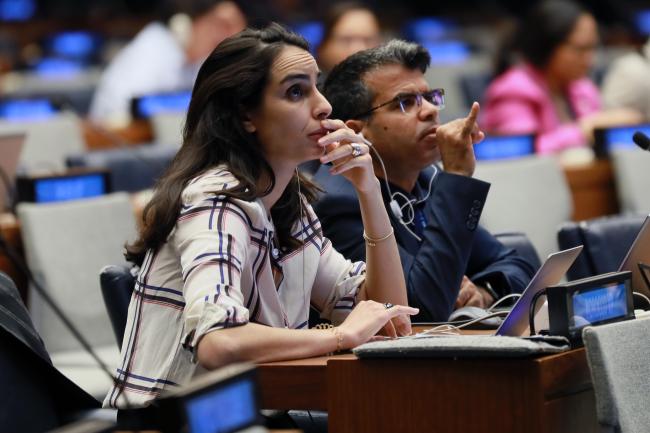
388	305
356	150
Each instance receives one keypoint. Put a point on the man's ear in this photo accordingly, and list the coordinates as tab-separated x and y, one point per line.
355	125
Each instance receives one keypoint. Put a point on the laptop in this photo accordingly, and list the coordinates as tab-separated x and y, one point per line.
11	145
549	274
639	252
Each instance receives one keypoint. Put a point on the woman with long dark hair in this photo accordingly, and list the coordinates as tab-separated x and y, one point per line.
542	85
231	252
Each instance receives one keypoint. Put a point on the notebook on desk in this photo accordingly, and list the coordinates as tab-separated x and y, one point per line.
11	145
639	252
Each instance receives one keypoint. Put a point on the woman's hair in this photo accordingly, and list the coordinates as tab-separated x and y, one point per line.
546	26
230	83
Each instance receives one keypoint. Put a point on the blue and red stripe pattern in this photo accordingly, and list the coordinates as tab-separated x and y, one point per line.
216	271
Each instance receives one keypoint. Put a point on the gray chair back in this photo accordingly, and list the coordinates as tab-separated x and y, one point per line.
66	244
632	174
48	141
619	361
528	195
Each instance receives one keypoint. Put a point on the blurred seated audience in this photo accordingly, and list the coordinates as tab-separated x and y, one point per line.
164	57
627	82
348	27
542	85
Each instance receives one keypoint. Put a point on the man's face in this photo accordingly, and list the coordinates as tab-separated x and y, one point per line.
405	140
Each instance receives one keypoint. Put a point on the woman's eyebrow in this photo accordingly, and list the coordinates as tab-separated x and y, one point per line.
291	77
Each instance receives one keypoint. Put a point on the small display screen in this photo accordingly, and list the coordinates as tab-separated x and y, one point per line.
22	110
505	147
147	106
69	188
223	410
598	305
621	137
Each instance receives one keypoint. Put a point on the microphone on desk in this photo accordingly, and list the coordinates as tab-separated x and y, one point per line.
641	140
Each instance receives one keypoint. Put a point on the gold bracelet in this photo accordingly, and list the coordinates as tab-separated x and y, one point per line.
339	338
337	334
373	242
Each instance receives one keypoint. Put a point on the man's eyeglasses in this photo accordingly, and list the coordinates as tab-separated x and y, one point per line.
408	101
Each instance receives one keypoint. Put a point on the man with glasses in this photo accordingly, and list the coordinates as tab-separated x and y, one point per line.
449	260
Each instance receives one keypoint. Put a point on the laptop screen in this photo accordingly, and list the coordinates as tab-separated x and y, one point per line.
550	274
639	252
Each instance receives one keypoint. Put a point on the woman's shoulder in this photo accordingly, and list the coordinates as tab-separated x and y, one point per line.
208	185
519	81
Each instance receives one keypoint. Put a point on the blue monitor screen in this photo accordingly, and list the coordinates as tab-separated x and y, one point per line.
147	106
73	45
598	305
69	188
17	10
447	52
57	68
312	31
427	29
222	410
504	147
643	22
621	137
20	110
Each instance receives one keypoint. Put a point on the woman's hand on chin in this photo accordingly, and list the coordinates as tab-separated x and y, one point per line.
349	155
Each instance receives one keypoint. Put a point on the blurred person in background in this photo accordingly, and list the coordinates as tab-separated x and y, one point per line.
546	90
348	27
164	57
627	82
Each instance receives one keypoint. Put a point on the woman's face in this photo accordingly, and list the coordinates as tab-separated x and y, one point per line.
355	31
575	56
288	121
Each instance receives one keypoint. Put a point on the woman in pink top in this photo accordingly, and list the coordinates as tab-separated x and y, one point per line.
548	93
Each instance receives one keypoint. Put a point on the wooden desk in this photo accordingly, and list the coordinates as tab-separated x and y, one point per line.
545	394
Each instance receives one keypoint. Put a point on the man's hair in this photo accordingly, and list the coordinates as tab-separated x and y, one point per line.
345	88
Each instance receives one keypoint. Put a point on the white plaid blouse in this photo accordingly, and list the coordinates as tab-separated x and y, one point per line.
219	268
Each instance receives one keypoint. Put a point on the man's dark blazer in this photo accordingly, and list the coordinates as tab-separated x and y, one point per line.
453	243
35	395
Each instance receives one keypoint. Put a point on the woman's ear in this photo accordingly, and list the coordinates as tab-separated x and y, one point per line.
249	126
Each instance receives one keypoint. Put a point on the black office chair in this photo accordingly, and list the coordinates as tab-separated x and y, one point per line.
35	395
519	242
117	283
606	240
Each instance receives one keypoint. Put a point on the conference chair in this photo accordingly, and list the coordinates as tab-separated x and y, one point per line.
619	357
168	128
35	395
65	245
519	242
632	175
606	240
48	141
131	169
117	283
528	195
